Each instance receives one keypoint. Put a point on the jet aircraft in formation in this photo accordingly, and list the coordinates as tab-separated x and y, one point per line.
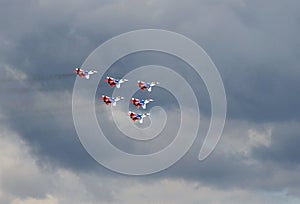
115	82
136	117
140	102
111	100
84	73
146	85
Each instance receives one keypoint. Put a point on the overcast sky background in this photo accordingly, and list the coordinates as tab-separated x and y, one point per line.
254	44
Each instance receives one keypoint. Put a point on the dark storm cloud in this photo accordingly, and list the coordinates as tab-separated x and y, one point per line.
284	146
237	162
257	52
255	49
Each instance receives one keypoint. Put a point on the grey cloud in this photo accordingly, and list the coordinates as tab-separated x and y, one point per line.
283	149
255	49
257	55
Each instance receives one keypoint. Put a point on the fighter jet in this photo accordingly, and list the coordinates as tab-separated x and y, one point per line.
146	85
111	100
137	117
140	102
84	73
115	82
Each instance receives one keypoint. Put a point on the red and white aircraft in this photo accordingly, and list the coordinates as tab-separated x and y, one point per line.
137	117
146	85
84	73
111	100
140	102
115	82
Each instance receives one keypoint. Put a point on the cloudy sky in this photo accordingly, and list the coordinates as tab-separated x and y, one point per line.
256	48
